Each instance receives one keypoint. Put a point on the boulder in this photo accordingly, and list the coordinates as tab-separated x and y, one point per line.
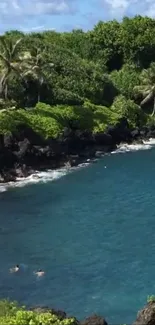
94	320
135	134
146	316
22	171
24	148
9	141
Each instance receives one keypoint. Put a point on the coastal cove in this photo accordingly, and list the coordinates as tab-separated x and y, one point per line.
77	166
86	230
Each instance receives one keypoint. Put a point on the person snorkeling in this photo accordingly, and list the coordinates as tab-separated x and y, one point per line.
15	269
39	273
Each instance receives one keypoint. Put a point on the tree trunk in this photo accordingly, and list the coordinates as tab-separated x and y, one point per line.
153	107
147	98
38	96
39	90
6	92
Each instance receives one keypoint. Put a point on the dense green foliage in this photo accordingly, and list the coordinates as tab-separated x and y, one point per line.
79	79
12	314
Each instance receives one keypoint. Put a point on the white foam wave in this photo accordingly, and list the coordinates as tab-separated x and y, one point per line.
150	141
38	177
51	175
3	189
146	145
44	177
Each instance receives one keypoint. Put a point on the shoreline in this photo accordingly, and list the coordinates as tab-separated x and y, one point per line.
25	155
46	175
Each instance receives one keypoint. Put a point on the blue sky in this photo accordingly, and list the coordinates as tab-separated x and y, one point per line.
64	15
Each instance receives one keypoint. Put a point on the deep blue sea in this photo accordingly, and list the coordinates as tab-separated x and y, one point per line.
92	231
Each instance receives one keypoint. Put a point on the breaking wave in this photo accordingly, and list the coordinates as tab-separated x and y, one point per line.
52	175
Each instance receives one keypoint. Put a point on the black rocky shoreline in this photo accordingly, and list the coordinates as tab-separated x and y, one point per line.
24	152
145	316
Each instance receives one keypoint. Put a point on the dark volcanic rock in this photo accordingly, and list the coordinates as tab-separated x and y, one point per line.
120	132
1	141
73	142
7	176
135	133
151	134
7	159
59	313
25	132
9	142
146	316
24	148
94	320
102	138
22	171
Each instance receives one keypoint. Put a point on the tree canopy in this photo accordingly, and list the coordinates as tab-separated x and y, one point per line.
109	66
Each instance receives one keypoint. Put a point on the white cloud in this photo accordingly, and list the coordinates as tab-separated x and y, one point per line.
15	8
151	10
119	8
32	29
118	4
32	14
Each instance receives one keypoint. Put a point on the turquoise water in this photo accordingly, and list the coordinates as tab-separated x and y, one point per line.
92	231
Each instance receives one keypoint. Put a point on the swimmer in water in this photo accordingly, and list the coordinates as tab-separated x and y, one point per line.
14	269
40	273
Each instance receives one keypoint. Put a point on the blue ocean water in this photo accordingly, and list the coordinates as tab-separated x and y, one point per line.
92	231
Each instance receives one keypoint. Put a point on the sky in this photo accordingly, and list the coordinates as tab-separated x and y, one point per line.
65	15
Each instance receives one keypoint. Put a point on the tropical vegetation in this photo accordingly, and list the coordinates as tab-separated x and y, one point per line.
13	314
82	80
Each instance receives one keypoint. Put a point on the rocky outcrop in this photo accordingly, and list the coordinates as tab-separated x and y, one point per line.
25	151
146	316
94	320
59	313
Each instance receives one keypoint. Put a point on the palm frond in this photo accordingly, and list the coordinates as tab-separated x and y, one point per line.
5	47
147	98
15	46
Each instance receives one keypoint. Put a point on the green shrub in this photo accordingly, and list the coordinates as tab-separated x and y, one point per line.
127	108
125	80
151	299
12	314
50	121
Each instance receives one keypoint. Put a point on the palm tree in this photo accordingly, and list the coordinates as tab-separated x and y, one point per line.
147	86
34	67
9	63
